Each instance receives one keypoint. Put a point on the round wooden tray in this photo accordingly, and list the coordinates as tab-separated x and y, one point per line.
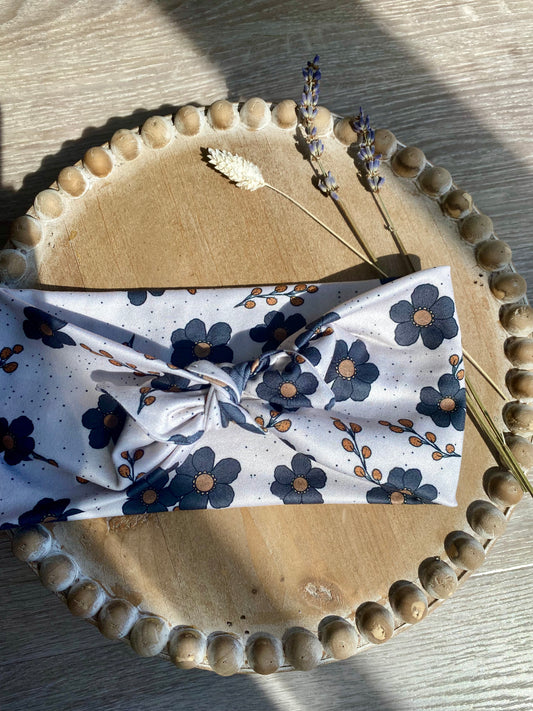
146	212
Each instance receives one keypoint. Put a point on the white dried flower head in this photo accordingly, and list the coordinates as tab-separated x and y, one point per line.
242	172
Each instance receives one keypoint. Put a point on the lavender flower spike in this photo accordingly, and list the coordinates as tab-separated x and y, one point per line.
367	154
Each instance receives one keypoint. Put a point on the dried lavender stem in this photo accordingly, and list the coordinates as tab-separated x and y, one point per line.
484	373
328	229
496	437
392	229
347	216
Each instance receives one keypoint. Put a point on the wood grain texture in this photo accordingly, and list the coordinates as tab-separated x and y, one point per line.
451	78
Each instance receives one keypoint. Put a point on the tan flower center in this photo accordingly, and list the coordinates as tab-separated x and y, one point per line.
204	482
8	441
149	496
45	329
288	390
300	484
423	317
280	334
447	404
48	518
110	421
202	349
397	497
346	368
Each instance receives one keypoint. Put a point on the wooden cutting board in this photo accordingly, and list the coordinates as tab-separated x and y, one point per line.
146	211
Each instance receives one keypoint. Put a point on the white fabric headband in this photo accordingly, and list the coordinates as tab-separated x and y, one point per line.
131	402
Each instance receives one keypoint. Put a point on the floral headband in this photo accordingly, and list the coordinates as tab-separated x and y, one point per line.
150	400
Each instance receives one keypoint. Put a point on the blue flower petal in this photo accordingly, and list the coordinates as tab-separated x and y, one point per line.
377	496
401	312
203	459
226	471
424	296
221	496
195	331
193	500
405	334
219	334
412	479
283	475
432	336
443	308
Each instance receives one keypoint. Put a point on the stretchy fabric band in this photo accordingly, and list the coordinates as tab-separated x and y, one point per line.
132	402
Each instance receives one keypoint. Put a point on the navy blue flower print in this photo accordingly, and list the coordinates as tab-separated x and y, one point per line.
199	481
195	343
105	421
149	495
350	372
48	510
402	487
299	484
276	329
426	315
15	442
40	325
287	390
137	297
445	406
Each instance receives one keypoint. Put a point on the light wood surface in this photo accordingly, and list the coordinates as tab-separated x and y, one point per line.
444	111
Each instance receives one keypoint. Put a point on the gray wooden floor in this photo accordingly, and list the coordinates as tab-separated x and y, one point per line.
454	78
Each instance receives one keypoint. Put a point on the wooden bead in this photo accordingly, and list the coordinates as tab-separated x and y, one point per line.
57	572
125	144
157	132
457	204
465	551
149	636
485	519
476	228
518	417
284	114
323	121
517	319
188	120
520	384
374	622
26	231
522	450
435	181
344	132
408	162
264	652
520	352
437	578
255	114
48	204
222	115
302	648
493	254
12	265
408	602
98	162
116	618
338	637
508	286
502	487
85	599
385	143
187	647
31	544
72	181
225	653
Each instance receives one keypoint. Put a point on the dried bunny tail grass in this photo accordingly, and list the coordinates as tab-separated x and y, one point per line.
242	172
